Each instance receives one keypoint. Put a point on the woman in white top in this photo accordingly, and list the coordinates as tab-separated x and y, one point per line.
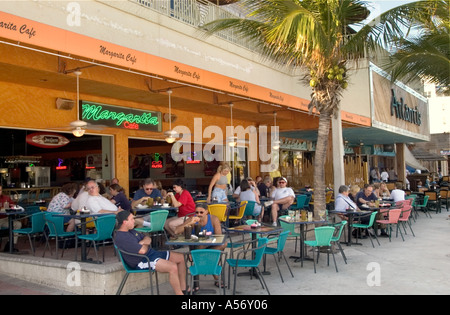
249	194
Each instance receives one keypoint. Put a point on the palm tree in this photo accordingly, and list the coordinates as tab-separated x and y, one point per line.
425	54
316	36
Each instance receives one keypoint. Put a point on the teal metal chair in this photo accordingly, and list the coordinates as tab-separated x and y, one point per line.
278	251
291	228
206	262
158	219
55	226
104	227
336	239
368	226
249	209
254	263
37	227
323	235
413	204
129	270
300	202
424	206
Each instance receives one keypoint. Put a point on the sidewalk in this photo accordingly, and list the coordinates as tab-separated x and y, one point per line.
419	265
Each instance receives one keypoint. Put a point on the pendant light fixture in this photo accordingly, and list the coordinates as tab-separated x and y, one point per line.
78	131
276	141
232	142
170	134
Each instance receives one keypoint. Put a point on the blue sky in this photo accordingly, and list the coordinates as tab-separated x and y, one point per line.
380	6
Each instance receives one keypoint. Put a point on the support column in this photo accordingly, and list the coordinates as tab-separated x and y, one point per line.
400	162
121	163
338	153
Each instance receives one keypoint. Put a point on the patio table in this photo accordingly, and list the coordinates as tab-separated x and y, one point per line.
11	214
351	215
302	255
261	230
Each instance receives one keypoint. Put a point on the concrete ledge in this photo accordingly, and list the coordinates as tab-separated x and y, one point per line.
74	277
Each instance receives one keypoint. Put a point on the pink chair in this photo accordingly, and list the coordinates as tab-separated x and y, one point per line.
405	215
393	216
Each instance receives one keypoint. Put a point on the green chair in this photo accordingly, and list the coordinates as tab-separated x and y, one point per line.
278	250
424	206
257	254
104	226
367	226
300	202
37	227
323	235
413	204
336	239
129	270
158	219
206	262
291	228
55	226
249	209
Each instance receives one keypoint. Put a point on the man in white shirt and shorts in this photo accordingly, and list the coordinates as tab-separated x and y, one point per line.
282	198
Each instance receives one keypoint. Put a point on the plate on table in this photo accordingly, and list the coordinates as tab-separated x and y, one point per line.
142	206
365	206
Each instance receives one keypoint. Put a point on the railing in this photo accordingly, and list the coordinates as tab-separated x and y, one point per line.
195	13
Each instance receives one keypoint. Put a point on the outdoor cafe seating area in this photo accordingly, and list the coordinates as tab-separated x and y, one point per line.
253	250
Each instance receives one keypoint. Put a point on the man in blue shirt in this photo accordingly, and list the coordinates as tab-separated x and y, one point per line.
366	198
148	190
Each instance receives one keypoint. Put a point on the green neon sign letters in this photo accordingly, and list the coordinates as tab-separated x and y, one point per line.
120	117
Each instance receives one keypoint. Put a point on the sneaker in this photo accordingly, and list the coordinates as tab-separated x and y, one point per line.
268	203
274	224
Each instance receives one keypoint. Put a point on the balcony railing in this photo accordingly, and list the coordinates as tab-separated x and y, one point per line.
196	13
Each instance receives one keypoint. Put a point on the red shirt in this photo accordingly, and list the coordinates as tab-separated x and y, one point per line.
188	204
4	198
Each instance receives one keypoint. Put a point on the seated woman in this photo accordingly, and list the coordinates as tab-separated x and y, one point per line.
208	222
384	191
185	204
62	203
249	194
119	198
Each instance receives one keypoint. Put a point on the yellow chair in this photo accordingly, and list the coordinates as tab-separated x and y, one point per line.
219	210
240	213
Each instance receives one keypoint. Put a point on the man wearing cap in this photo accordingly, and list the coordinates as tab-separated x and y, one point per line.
132	241
282	198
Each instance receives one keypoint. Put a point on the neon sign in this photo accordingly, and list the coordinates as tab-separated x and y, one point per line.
120	117
157	163
61	167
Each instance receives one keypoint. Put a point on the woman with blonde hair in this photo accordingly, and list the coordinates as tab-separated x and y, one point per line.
218	185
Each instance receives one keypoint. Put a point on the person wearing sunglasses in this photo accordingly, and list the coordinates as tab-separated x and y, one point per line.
208	222
148	190
282	198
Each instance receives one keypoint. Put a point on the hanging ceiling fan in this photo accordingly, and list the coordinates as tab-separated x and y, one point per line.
78	127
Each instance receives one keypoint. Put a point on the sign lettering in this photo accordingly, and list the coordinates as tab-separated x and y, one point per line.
404	112
120	117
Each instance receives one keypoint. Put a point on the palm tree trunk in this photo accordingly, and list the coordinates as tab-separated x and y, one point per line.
319	162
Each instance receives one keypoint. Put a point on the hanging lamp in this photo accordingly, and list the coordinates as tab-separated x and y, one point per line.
170	134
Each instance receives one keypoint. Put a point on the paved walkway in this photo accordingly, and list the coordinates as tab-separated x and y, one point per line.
419	265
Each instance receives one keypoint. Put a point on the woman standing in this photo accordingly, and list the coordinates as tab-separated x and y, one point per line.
219	183
183	201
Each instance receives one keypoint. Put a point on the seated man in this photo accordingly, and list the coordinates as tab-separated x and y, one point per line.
96	202
4	222
366	197
148	190
343	203
398	194
208	222
282	198
130	240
